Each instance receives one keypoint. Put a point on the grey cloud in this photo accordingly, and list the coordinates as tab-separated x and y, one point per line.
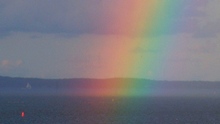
210	29
209	24
209	47
74	16
4	34
49	16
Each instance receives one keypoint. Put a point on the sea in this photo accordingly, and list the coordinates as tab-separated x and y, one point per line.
18	109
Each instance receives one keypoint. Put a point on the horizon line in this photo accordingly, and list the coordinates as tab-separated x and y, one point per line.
110	78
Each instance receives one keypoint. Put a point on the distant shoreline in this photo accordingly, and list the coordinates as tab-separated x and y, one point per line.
107	87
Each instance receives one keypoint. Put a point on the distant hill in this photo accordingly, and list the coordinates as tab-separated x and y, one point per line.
106	87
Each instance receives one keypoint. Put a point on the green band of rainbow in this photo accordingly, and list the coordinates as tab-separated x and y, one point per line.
141	24
146	23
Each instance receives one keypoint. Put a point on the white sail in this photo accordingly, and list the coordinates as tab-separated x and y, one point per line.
28	86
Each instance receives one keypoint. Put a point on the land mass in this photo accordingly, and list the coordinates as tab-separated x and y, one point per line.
107	87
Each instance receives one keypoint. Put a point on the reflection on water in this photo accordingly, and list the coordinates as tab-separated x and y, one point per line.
108	110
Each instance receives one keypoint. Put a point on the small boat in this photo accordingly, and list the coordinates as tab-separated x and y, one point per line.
28	86
22	114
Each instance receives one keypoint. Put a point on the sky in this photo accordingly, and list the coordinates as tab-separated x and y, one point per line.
105	39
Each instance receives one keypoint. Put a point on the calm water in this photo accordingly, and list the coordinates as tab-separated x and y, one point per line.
76	110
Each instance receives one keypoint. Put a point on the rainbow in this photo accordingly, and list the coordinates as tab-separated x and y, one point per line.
143	25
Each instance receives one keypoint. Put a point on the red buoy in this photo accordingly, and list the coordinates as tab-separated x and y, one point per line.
22	114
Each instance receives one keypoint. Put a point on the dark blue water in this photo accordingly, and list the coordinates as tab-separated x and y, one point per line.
109	110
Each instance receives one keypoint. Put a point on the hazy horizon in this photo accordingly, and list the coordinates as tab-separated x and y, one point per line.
135	78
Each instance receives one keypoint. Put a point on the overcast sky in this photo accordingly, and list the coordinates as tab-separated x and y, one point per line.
66	39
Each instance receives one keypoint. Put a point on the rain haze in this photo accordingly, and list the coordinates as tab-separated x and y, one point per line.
75	38
109	61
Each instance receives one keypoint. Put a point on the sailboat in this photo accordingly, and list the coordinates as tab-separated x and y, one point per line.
28	86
